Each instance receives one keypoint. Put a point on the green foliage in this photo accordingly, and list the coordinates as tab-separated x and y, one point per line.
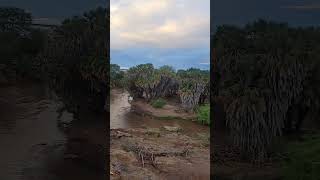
19	42
166	71
262	69
72	57
303	159
95	68
193	83
203	114
76	58
158	103
14	20
145	80
116	76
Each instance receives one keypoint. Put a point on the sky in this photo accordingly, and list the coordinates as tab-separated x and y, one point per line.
146	30
161	32
54	11
240	12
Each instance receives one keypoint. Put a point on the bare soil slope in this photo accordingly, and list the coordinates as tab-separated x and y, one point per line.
158	153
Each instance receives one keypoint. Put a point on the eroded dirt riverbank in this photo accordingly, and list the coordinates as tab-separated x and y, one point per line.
143	147
138	115
145	153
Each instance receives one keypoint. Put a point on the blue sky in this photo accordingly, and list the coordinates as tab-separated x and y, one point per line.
166	32
178	58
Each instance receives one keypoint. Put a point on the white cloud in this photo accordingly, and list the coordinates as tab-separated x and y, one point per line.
160	23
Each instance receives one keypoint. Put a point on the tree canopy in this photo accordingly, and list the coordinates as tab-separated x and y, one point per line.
146	81
263	69
72	57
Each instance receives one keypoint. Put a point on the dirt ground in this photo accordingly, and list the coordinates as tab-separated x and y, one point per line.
167	146
158	153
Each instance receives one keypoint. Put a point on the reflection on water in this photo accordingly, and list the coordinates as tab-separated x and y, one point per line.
121	116
32	144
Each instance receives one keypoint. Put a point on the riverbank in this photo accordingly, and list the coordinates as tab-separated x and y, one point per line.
169	111
144	144
158	153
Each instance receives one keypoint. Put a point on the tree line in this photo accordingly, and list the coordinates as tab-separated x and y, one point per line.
73	57
146	81
266	78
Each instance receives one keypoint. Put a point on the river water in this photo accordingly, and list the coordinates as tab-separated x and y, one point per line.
122	116
35	146
32	146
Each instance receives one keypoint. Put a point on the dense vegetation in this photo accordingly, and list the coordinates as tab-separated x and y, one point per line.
116	76
73	57
145	81
19	42
203	114
267	76
303	158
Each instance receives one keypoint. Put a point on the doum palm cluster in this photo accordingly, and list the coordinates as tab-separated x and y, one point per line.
263	70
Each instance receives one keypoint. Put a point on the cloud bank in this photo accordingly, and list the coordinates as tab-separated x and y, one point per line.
160	23
174	32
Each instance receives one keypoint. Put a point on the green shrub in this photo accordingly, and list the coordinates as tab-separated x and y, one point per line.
158	103
203	114
303	160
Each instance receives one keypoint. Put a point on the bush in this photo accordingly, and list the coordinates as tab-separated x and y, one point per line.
303	159
158	103
203	114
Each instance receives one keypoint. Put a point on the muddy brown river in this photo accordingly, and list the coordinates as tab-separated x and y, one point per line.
32	144
35	146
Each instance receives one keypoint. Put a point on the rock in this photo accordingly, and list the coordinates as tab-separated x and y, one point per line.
172	128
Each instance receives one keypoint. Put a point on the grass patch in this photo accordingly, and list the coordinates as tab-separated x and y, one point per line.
303	162
203	114
158	103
